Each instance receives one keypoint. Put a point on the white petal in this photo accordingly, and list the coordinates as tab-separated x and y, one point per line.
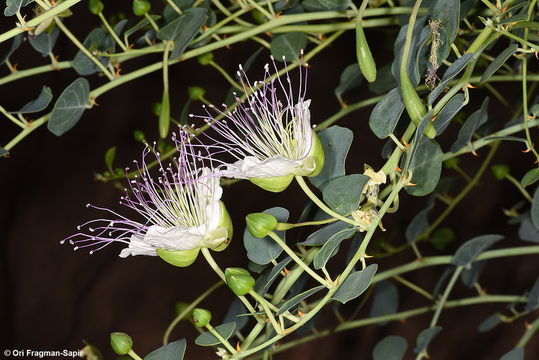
137	246
251	167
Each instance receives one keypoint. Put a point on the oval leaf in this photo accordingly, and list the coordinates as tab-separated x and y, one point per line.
386	300
44	42
419	223
297	299
489	323
208	339
321	236
515	354
328	249
173	351
183	30
349	80
288	46
534	213
530	177
38	104
69	107
453	70
390	348
533	297
426	167
336	142
468	251
355	284
343	194
14	6
425	337
498	62
386	114
469	127
447	114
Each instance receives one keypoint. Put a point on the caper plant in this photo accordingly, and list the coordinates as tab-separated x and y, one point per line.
448	55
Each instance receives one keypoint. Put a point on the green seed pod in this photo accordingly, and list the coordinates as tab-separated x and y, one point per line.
121	343
95	6
179	258
164	115
500	171
141	7
260	224
205	59
201	317
196	92
239	280
363	54
414	106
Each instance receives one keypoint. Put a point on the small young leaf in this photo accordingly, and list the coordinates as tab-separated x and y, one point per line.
386	114
321	236
173	351
468	251
262	251
44	42
208	339
69	107
183	29
447	114
297	299
336	142
109	157
533	297
489	323
390	348
515	354
426	167
386	300
38	104
349	80
469	127
95	40
498	62
419	223
530	177
355	284
288	46
328	249
425	337
343	194
15	43
527	231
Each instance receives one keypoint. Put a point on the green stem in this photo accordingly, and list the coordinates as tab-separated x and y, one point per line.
173	5
320	203
413	287
188	309
134	355
298	261
519	187
286	283
267	310
151	21
221	339
288	226
12	118
462	194
252	335
29	128
54	11
227	77
82	48
399	316
529	333
112	32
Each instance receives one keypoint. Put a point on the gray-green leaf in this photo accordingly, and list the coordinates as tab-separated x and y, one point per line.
349	80
447	114
391	347
14	6
533	297
173	351
343	194
288	46
468	251
419	223
355	284
498	62
425	337
470	126
183	29
534	213
330	247
453	70
426	167
386	114
208	339
297	299
386	300
44	42
38	104
515	354
69	107
530	177
321	236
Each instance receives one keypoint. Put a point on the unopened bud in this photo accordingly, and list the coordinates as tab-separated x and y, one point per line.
239	280
260	224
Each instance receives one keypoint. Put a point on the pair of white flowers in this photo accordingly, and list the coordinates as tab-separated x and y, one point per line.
270	139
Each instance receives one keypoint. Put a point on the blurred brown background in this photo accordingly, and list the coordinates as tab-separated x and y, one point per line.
53	298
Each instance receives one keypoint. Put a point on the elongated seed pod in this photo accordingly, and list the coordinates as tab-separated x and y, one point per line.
363	53
164	115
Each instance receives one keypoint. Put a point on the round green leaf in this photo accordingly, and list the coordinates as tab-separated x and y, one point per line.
288	46
355	284
391	347
69	107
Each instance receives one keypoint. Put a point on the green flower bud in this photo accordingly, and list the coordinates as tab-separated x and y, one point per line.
500	171
258	16
121	343
139	136
239	280
180	258
273	184
95	6
196	92
205	59
260	224
201	317
141	7
156	108
318	156
180	307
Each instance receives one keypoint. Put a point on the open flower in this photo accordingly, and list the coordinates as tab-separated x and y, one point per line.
180	210
269	134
